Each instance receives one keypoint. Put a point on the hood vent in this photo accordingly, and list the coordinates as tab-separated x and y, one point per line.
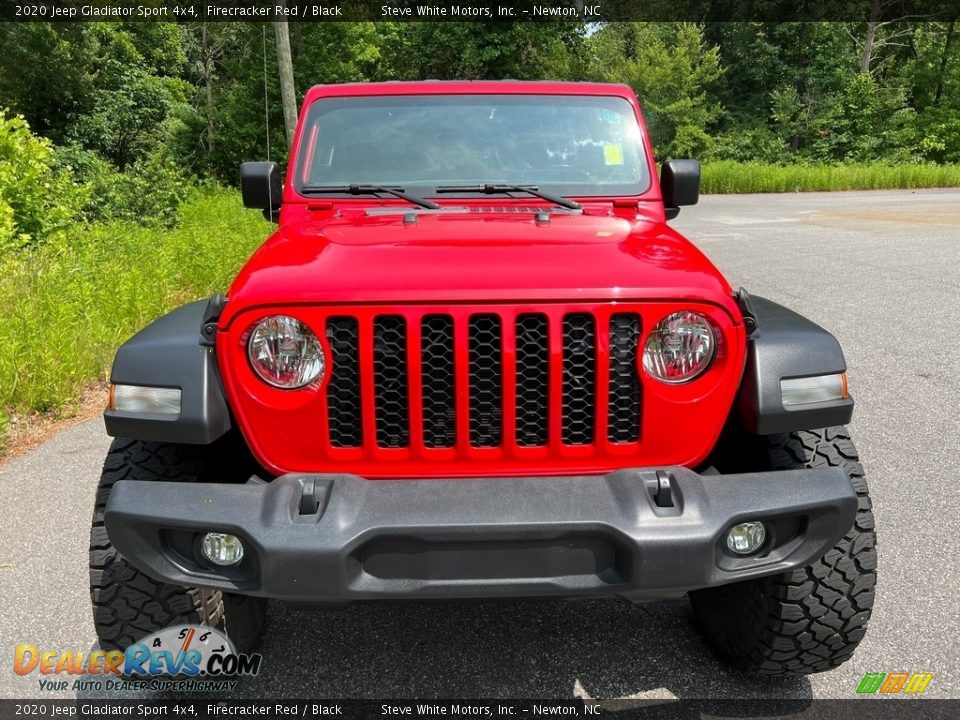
489	209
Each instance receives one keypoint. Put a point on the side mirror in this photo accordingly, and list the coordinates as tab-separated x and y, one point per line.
679	185
261	188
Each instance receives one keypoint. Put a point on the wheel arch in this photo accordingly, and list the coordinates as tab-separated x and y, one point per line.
784	344
170	353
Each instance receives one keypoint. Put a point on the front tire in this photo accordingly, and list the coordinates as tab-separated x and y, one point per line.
811	619
127	603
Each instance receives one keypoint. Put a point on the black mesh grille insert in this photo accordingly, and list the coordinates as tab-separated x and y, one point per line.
436	347
532	376
485	390
535	352
623	407
343	389
579	379
390	381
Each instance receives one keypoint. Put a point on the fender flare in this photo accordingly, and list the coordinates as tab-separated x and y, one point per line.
170	353
783	345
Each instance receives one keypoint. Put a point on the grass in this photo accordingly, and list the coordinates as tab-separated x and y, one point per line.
733	177
67	309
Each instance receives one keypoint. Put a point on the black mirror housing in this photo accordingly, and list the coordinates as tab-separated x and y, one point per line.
680	182
260	187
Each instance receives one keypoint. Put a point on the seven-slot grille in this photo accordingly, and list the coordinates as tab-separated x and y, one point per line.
485	379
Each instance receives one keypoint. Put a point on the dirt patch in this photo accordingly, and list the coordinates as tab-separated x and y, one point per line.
30	430
920	215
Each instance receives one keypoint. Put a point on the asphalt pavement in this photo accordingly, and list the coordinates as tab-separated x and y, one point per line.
878	269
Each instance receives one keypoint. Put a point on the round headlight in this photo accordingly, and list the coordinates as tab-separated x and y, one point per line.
679	348
285	353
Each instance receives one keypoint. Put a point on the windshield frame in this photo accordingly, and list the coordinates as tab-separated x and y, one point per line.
627	108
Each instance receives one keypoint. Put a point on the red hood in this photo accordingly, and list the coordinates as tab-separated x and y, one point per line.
474	256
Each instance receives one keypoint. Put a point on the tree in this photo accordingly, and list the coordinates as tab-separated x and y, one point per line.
865	121
321	53
880	34
944	60
109	86
47	71
207	43
672	70
490	51
127	122
931	77
288	92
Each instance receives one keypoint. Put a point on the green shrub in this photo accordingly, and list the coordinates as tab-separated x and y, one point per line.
92	177
759	144
149	193
864	123
940	134
45	191
36	201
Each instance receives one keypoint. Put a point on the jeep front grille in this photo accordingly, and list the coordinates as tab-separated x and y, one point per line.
510	379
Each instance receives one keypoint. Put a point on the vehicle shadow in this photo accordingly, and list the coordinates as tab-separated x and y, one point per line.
589	649
596	649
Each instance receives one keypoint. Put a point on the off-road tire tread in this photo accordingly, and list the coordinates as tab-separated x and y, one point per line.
128	604
811	619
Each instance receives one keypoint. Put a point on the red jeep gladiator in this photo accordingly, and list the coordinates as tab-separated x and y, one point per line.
475	361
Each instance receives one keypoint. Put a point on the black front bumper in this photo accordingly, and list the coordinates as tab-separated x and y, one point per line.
339	538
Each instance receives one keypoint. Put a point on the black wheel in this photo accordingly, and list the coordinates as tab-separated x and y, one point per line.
813	618
128	604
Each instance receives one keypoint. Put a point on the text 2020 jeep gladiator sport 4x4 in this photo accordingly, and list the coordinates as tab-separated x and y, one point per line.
474	361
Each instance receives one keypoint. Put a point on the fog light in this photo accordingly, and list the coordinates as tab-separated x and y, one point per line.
222	549
746	538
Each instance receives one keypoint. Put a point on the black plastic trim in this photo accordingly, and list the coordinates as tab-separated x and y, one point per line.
783	345
167	353
645	533
745	303
208	322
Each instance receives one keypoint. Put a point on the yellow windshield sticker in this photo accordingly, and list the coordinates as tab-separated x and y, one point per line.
612	154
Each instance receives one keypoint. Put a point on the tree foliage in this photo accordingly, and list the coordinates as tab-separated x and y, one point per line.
133	109
35	200
475	51
672	71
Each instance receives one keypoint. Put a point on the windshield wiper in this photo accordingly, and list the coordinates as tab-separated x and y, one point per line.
490	189
370	190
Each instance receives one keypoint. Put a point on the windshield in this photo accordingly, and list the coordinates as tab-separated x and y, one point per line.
565	144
